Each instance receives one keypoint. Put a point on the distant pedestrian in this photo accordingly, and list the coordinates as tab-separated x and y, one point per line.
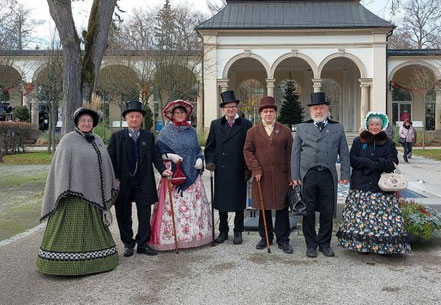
317	145
224	156
267	152
372	220
390	132
408	137
79	191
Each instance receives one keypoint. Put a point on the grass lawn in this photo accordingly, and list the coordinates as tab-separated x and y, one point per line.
428	153
21	193
40	157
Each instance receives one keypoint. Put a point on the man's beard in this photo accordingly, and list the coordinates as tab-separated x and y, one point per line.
319	120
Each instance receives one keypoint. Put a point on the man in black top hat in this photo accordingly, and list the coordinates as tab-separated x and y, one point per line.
133	152
316	146
224	155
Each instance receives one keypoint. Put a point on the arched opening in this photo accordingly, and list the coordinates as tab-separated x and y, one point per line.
298	70
117	84
244	69
340	81
10	90
401	104
48	91
413	95
249	92
333	93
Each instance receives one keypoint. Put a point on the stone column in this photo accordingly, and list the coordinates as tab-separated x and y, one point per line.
364	100
270	86
438	109
210	96
389	104
317	84
223	84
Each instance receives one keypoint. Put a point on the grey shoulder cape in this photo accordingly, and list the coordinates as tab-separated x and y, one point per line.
79	168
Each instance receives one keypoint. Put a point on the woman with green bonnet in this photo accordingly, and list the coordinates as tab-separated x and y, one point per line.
372	221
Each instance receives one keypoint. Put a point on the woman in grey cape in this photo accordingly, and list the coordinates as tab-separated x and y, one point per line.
79	191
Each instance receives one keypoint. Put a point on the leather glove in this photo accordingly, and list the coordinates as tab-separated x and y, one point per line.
247	174
198	164
173	157
210	166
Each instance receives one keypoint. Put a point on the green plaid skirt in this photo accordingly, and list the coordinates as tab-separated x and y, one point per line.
76	241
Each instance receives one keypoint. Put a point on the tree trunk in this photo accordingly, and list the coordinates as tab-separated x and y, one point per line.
80	76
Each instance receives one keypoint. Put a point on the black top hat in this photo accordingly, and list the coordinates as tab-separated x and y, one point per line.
228	97
82	110
133	106
318	98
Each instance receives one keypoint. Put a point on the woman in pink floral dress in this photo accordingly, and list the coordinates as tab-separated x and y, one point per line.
178	142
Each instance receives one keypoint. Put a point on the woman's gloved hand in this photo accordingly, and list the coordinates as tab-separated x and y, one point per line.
172	157
198	164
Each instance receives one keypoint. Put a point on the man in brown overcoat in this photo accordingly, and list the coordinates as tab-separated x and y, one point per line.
267	152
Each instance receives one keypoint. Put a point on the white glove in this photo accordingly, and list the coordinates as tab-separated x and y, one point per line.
173	157
198	164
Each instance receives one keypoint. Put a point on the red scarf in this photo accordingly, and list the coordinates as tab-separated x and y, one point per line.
183	123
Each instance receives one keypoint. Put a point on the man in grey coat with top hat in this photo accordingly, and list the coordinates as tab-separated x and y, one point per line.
317	144
134	152
224	155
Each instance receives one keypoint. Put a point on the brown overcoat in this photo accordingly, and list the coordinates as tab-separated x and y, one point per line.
269	156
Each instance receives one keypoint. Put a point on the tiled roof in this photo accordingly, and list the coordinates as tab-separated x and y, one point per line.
293	15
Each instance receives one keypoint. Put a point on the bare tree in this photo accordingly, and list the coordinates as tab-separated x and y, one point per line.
250	93
81	71
215	6
49	84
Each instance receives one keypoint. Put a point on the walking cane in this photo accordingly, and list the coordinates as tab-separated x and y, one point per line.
264	217
213	243
173	214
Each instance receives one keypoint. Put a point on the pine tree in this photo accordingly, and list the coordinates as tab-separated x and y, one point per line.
291	112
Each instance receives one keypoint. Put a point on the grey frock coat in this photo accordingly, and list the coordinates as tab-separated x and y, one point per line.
312	147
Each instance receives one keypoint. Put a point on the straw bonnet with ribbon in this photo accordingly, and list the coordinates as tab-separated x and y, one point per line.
380	115
168	110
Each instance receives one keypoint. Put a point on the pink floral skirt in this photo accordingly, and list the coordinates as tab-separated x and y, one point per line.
192	218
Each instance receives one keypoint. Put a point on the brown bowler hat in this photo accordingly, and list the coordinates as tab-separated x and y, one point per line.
267	102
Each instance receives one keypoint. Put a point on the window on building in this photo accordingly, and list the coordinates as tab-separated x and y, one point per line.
430	109
401	104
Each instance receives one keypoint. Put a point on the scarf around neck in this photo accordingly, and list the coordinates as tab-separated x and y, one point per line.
183	141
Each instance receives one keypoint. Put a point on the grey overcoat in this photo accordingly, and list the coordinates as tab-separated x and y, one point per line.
312	147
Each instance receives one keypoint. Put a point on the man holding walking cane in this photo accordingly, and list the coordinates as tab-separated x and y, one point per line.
224	155
267	153
314	154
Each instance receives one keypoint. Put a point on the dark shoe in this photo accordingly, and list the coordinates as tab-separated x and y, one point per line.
262	244
311	252
237	240
286	248
327	251
128	251
223	236
147	250
405	159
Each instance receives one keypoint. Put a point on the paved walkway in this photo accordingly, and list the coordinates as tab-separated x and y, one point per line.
237	274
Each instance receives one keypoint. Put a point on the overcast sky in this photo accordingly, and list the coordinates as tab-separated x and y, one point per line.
43	32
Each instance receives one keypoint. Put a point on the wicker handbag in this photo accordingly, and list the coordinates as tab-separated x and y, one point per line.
391	182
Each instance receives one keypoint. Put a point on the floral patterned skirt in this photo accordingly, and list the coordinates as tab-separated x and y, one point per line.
372	222
192	218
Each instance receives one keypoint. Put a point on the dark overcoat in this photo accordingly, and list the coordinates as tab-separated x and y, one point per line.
371	155
224	148
120	151
269	156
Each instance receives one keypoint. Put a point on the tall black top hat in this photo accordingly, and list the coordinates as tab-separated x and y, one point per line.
133	106
318	98
228	97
